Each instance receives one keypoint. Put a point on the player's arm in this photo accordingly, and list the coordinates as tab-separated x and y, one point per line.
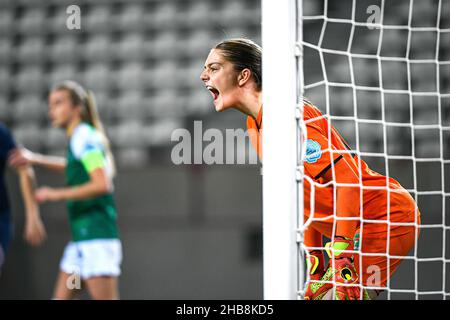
315	263
99	183
341	263
34	232
348	197
22	156
324	162
321	161
313	239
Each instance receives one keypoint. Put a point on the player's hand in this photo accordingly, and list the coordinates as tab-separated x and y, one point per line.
46	194
34	232
316	268
20	157
345	273
342	272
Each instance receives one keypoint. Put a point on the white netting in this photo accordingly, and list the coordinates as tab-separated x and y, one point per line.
380	73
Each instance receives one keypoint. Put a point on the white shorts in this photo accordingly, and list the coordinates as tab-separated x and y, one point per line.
92	258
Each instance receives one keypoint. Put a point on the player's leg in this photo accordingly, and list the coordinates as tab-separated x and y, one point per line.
101	261
63	290
103	288
375	270
68	283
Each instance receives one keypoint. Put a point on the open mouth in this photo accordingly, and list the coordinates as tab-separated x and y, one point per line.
215	93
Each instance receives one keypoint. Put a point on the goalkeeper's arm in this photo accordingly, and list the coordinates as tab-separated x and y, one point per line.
348	197
342	270
315	264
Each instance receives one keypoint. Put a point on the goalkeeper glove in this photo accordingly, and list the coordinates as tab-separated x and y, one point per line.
316	268
343	271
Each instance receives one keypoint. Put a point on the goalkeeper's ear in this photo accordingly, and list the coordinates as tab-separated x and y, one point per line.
244	77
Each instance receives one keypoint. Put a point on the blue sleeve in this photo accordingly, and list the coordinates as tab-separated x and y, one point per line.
7	142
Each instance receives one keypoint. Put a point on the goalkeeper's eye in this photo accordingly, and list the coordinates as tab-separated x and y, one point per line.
346	274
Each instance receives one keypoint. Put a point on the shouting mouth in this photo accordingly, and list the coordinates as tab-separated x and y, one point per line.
214	92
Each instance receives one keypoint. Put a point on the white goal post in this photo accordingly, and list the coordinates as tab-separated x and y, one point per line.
281	203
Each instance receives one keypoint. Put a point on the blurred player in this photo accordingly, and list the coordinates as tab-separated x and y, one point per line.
232	73
34	232
95	252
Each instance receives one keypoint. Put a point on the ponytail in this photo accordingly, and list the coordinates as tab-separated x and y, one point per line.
92	117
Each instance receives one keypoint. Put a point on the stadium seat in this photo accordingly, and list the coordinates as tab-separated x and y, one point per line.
427	144
54	138
4	80
394	75
424	14
421	73
368	78
57	22
165	103
189	75
423	45
164	75
198	14
29	108
130	77
64	50
63	72
98	48
165	45
131	18
165	16
444	46
5	108
198	43
128	134
99	19
198	102
98	77
233	13
129	106
104	103
31	80
131	157
6	22
31	51
33	22
28	134
394	43
5	50
131	47
160	132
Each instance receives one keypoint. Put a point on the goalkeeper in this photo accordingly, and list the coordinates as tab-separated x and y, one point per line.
361	237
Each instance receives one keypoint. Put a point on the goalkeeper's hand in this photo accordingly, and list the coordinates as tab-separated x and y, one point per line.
343	272
316	268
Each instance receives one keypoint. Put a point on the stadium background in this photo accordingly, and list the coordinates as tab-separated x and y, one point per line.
194	231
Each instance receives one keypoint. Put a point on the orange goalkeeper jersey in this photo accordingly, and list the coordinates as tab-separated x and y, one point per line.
323	149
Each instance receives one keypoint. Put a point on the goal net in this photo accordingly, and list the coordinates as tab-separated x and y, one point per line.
379	71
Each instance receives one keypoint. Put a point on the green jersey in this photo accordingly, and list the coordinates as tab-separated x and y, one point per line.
93	218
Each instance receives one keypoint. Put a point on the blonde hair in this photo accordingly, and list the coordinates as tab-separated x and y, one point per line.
89	114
